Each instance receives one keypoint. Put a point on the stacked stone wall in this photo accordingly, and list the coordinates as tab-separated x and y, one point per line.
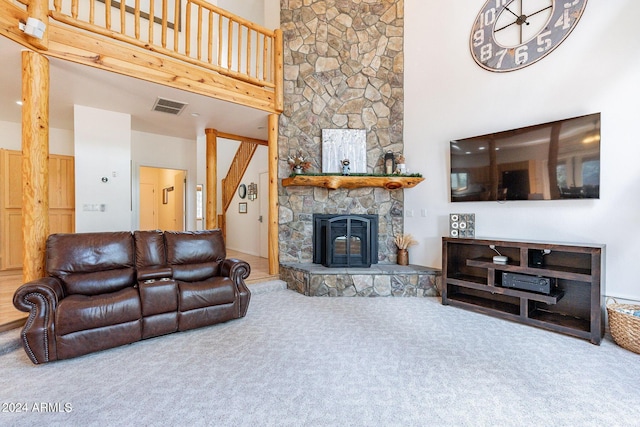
343	69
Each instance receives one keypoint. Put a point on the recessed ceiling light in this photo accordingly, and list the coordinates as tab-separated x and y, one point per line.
19	102
195	114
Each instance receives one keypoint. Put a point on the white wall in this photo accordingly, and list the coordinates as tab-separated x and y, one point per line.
252	10
243	230
60	140
448	96
102	145
167	152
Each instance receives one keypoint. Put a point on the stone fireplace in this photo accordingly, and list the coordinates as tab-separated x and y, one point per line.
343	69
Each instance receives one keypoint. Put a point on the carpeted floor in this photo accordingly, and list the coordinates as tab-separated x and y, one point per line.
301	361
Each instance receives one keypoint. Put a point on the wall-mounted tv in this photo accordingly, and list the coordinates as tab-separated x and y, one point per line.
549	161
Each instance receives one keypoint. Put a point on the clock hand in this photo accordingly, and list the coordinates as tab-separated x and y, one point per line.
541	10
509	10
522	19
506	26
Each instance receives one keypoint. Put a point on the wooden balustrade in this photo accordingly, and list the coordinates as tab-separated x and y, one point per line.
236	171
189	30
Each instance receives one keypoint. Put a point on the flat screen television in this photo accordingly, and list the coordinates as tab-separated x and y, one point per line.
548	161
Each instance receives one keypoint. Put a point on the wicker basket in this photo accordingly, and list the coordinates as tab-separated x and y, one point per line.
625	328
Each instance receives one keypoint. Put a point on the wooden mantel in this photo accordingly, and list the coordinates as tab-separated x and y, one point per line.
333	182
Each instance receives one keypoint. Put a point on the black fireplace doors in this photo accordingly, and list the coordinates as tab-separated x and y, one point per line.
345	240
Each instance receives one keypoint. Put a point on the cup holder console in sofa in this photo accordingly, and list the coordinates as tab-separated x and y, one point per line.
112	288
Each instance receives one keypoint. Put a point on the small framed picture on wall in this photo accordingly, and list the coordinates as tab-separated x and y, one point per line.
242	207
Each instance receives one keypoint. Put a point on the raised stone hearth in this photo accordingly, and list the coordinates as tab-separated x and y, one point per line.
384	280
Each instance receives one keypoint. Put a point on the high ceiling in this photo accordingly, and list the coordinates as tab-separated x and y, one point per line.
72	84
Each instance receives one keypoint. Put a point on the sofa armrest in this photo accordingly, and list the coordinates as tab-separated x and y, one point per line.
154	273
238	270
235	269
40	299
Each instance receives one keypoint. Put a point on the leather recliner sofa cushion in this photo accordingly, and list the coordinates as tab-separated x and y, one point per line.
92	263
85	324
210	292
82	312
204	297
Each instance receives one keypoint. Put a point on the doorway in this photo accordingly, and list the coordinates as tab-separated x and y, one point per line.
162	198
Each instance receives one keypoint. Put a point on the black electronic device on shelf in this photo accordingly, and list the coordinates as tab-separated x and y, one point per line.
525	282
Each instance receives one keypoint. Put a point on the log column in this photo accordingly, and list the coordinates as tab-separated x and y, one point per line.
211	215
274	251
35	163
39	9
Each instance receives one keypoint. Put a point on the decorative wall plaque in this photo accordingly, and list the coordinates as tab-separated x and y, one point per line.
341	144
462	225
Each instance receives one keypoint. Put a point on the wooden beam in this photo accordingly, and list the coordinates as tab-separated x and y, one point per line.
35	163
211	215
99	52
242	138
274	251
10	17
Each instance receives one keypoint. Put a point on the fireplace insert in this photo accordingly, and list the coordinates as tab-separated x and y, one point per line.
345	240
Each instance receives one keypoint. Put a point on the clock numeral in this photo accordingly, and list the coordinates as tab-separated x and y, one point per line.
486	52
478	38
568	5
501	54
488	18
564	21
543	42
522	55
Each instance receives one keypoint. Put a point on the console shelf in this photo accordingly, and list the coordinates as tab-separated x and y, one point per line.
574	306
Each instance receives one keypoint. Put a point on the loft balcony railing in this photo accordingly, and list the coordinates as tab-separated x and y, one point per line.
193	31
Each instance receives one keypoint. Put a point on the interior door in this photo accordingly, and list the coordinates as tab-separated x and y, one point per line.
148	215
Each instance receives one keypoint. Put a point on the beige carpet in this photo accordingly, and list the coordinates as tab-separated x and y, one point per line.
305	361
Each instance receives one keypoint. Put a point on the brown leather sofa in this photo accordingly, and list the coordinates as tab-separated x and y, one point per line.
108	289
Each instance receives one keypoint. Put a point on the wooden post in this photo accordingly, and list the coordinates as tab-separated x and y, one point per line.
39	9
211	215
274	252
35	163
278	70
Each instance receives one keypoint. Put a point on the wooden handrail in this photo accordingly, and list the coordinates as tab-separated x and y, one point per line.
203	34
236	171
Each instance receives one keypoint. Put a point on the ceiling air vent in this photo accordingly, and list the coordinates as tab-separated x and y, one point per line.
168	106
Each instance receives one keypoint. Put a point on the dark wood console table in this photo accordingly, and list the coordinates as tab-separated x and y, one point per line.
574	306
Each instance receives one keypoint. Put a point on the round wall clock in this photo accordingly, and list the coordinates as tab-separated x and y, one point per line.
242	191
511	34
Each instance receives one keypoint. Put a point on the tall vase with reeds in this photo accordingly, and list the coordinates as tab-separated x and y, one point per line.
403	242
